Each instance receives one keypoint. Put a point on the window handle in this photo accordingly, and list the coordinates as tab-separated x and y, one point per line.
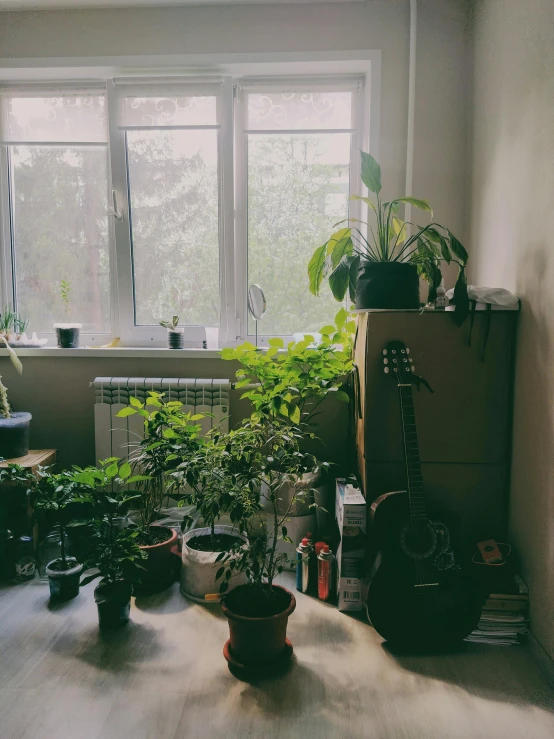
114	210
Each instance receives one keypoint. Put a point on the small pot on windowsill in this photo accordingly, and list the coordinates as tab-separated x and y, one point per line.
175	338
68	335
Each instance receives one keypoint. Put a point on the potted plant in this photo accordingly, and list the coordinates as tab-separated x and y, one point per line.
53	495
381	267
175	335
112	551
168	433
217	473
290	384
258	611
15	427
12	325
67	333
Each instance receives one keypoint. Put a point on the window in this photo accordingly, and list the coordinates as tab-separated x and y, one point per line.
298	144
170	197
55	159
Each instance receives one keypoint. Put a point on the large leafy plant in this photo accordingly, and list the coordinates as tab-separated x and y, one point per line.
267	455
169	435
289	383
4	403
113	551
387	238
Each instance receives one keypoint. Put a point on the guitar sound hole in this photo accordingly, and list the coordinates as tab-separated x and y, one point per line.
418	540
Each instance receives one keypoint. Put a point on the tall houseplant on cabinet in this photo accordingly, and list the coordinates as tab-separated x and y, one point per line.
15	426
378	263
67	333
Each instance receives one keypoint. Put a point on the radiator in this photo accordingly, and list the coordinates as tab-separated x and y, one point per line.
114	435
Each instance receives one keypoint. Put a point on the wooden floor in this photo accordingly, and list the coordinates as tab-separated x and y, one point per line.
164	677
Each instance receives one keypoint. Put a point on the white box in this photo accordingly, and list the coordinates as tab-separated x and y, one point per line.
351	514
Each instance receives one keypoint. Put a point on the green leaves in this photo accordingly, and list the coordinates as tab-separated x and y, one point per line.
371	173
124	412
316	268
416	202
339	280
457	249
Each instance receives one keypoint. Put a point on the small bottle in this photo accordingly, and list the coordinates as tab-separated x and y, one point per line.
303	566
441	301
325	573
312	565
25	566
7	554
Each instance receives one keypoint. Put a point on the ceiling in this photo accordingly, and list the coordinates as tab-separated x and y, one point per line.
76	4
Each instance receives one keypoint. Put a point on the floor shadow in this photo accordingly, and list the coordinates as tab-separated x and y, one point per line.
478	669
168	601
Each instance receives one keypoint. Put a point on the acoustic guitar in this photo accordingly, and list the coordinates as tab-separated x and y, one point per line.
418	596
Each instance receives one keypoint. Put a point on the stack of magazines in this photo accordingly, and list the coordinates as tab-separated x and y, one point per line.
505	616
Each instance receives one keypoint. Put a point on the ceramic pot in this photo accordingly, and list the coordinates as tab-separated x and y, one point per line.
158	571
255	642
387	285
14	435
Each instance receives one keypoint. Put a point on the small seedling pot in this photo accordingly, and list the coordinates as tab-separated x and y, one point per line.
14	435
68	335
113	601
64	584
175	338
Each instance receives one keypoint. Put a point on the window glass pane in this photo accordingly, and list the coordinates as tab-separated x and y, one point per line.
173	183
170	111
60	232
64	118
299	110
298	188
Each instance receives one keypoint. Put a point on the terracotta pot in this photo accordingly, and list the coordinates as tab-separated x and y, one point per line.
158	571
257	641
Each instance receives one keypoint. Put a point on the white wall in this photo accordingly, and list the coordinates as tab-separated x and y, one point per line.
376	24
512	188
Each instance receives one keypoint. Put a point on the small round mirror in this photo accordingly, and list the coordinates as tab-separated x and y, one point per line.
256	302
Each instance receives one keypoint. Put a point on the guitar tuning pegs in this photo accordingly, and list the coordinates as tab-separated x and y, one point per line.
387	370
405	360
403	351
385	352
385	361
413	368
407	350
395	361
411	360
394	351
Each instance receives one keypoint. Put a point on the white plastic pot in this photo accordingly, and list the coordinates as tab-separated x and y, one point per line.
199	568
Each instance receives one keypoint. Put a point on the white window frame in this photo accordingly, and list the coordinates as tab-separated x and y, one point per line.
8	293
295	70
288	84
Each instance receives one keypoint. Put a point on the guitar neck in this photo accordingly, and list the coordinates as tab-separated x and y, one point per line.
418	511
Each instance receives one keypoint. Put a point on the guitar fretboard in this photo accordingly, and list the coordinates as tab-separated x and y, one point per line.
418	511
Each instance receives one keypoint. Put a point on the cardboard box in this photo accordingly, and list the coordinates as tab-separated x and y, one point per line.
351	514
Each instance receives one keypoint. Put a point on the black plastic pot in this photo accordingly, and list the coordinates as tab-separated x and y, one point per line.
64	584
68	338
113	601
175	339
387	285
14	435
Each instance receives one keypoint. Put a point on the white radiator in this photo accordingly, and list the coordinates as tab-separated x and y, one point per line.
113	435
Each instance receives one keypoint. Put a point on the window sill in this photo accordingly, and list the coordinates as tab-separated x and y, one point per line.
119	351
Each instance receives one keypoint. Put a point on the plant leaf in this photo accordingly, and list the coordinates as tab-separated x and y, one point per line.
316	267
353	277
339	279
416	202
124	412
458	250
343	248
371	173
13	356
